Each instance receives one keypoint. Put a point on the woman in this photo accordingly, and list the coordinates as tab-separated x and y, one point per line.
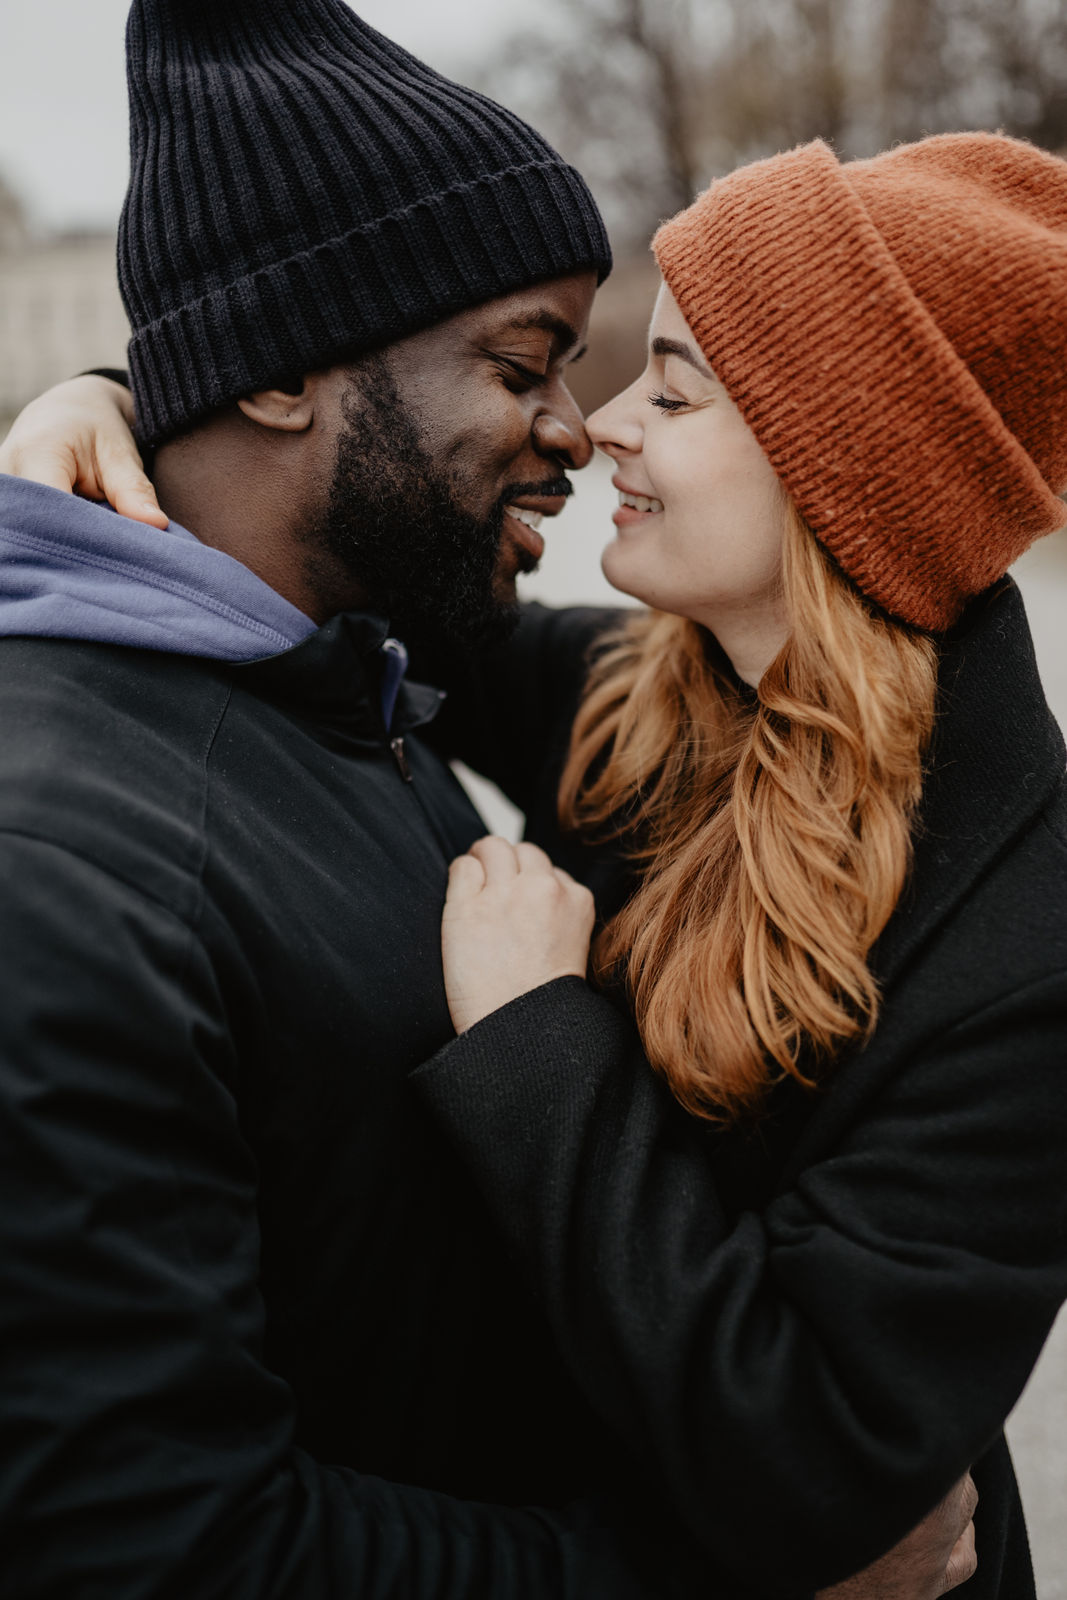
821	801
826	761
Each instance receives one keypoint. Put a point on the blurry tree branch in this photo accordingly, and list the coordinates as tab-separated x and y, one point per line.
654	98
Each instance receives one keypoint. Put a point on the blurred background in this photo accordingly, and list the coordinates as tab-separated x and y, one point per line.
651	99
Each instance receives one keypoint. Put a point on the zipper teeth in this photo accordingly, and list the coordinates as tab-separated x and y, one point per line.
400	757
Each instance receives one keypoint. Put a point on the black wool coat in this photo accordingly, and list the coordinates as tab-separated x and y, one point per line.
811	1333
258	1337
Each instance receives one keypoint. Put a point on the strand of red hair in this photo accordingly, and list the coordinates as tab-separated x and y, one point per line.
772	835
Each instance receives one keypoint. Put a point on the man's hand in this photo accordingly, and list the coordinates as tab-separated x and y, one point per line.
77	437
512	922
935	1557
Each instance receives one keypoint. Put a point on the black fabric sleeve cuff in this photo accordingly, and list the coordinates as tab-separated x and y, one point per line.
116	374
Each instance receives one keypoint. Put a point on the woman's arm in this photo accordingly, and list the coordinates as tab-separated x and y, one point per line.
77	438
833	1362
830	1364
509	709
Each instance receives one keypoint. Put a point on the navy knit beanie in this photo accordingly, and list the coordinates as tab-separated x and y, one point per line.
302	189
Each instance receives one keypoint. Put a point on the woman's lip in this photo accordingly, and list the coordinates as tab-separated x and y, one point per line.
629	516
624	488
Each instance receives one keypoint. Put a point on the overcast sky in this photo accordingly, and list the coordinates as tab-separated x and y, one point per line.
63	89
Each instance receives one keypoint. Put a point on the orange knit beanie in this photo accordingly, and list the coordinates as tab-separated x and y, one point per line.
894	332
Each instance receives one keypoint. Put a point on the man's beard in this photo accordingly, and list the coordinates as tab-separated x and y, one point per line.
394	524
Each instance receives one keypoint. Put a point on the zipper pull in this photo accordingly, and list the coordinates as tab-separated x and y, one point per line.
397	747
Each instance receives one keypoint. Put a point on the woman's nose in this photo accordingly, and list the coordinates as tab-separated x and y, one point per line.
616	427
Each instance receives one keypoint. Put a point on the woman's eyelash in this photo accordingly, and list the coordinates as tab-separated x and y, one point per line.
665	403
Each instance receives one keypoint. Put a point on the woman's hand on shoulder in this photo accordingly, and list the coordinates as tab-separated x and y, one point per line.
78	437
512	922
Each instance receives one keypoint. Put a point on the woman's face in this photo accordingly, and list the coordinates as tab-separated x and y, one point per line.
701	513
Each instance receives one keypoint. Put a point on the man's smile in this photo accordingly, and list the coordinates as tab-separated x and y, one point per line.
527	508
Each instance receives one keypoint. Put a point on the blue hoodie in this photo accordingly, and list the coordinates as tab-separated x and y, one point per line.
74	569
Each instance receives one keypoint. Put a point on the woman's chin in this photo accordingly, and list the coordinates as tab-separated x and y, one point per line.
620	574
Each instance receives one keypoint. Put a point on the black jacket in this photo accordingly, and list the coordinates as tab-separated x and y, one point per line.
239	1267
811	1332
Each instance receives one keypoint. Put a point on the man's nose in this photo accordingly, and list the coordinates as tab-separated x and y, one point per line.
560	432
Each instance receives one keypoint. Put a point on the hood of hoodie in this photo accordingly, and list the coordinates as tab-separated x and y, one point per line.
75	569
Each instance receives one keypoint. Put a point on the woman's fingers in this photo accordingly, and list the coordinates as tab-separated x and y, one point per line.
532	858
52	467
501	862
493	861
76	438
512	922
119	468
125	486
498	857
466	878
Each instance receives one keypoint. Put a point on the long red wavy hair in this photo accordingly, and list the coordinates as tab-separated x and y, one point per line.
772	833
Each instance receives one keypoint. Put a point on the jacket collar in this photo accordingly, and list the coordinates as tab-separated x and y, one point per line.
996	757
335	675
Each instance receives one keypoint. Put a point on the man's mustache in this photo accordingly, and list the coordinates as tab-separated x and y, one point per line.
556	488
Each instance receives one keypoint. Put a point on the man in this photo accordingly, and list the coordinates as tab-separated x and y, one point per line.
240	1271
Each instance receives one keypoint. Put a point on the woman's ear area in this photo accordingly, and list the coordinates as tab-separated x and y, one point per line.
289	408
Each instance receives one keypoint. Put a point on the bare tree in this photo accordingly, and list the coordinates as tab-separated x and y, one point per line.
653	98
612	83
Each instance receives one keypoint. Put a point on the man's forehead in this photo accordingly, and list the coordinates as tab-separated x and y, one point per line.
544	321
559	308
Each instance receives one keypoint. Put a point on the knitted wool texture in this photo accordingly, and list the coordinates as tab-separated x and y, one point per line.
894	332
302	189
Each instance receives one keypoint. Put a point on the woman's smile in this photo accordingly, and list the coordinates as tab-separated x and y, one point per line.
634	509
698	525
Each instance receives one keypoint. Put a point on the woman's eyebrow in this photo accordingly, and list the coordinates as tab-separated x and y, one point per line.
684	352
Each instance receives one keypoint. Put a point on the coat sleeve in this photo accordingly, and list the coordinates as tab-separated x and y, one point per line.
146	1451
806	1381
509	710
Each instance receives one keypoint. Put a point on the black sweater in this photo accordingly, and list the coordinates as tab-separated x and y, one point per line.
810	1333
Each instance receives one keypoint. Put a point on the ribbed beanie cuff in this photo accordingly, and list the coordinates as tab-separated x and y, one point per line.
392	276
303	190
894	332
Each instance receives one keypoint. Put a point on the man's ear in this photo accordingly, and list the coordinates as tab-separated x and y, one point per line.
289	409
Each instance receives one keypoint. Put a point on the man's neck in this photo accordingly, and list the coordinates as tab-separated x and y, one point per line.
242	495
